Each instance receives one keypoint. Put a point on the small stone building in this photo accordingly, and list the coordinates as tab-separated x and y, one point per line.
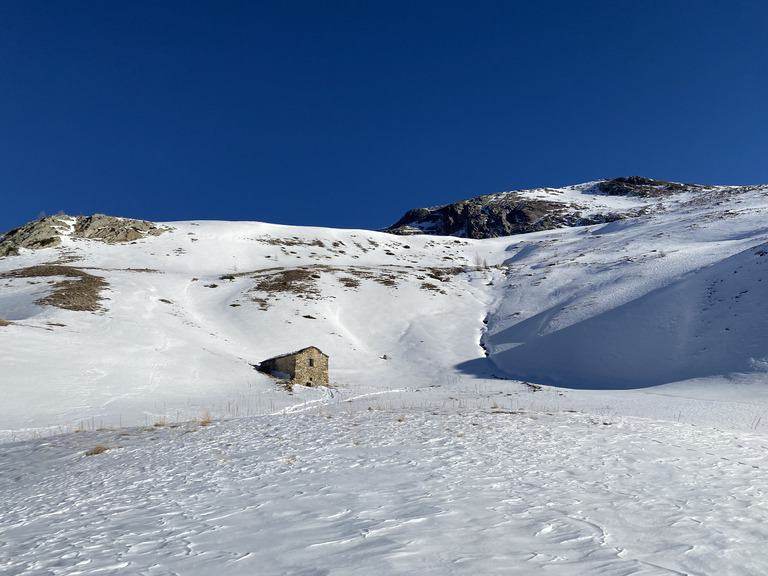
308	366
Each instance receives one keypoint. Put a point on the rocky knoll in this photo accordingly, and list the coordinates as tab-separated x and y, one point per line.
642	187
48	231
510	213
487	217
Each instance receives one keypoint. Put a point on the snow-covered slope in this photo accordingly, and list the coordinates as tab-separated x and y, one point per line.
184	315
187	314
670	296
397	489
525	211
643	342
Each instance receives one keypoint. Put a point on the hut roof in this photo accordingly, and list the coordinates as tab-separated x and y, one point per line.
296	352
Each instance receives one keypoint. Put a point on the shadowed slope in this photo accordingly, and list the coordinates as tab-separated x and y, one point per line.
709	323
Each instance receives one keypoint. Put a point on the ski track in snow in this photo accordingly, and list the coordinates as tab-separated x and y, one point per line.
389	491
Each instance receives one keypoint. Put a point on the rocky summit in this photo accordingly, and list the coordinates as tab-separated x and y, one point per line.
523	211
47	232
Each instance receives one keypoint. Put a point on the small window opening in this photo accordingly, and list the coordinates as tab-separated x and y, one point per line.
311	361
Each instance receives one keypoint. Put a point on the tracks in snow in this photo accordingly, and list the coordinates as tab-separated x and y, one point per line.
390	492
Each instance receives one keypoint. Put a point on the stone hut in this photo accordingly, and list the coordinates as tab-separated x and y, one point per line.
308	366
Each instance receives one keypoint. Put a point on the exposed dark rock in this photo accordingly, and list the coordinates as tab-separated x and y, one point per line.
482	217
641	186
511	213
493	216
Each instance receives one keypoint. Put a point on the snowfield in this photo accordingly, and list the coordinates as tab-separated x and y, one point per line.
593	401
390	491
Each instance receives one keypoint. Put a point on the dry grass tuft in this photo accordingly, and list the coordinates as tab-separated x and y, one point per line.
349	282
98	449
4	322
207	419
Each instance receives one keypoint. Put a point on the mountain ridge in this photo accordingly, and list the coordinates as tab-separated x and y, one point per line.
574	400
538	209
486	216
176	319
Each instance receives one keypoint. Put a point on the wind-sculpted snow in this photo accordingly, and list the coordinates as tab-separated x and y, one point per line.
389	491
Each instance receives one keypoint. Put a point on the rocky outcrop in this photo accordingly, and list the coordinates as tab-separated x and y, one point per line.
48	231
111	229
493	216
642	187
483	217
519	212
42	233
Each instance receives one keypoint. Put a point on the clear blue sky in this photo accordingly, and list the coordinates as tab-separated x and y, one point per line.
348	113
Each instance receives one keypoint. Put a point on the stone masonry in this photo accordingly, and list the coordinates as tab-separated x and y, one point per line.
308	366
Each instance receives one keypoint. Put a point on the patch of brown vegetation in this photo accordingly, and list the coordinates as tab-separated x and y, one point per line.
349	282
293	241
361	273
291	280
66	257
262	302
4	322
387	279
78	291
150	270
302	281
98	449
274	281
430	286
443	274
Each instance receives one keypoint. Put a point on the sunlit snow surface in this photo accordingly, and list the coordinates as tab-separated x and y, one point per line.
644	452
390	490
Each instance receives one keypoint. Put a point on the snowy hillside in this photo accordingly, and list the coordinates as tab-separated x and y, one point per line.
583	400
525	211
